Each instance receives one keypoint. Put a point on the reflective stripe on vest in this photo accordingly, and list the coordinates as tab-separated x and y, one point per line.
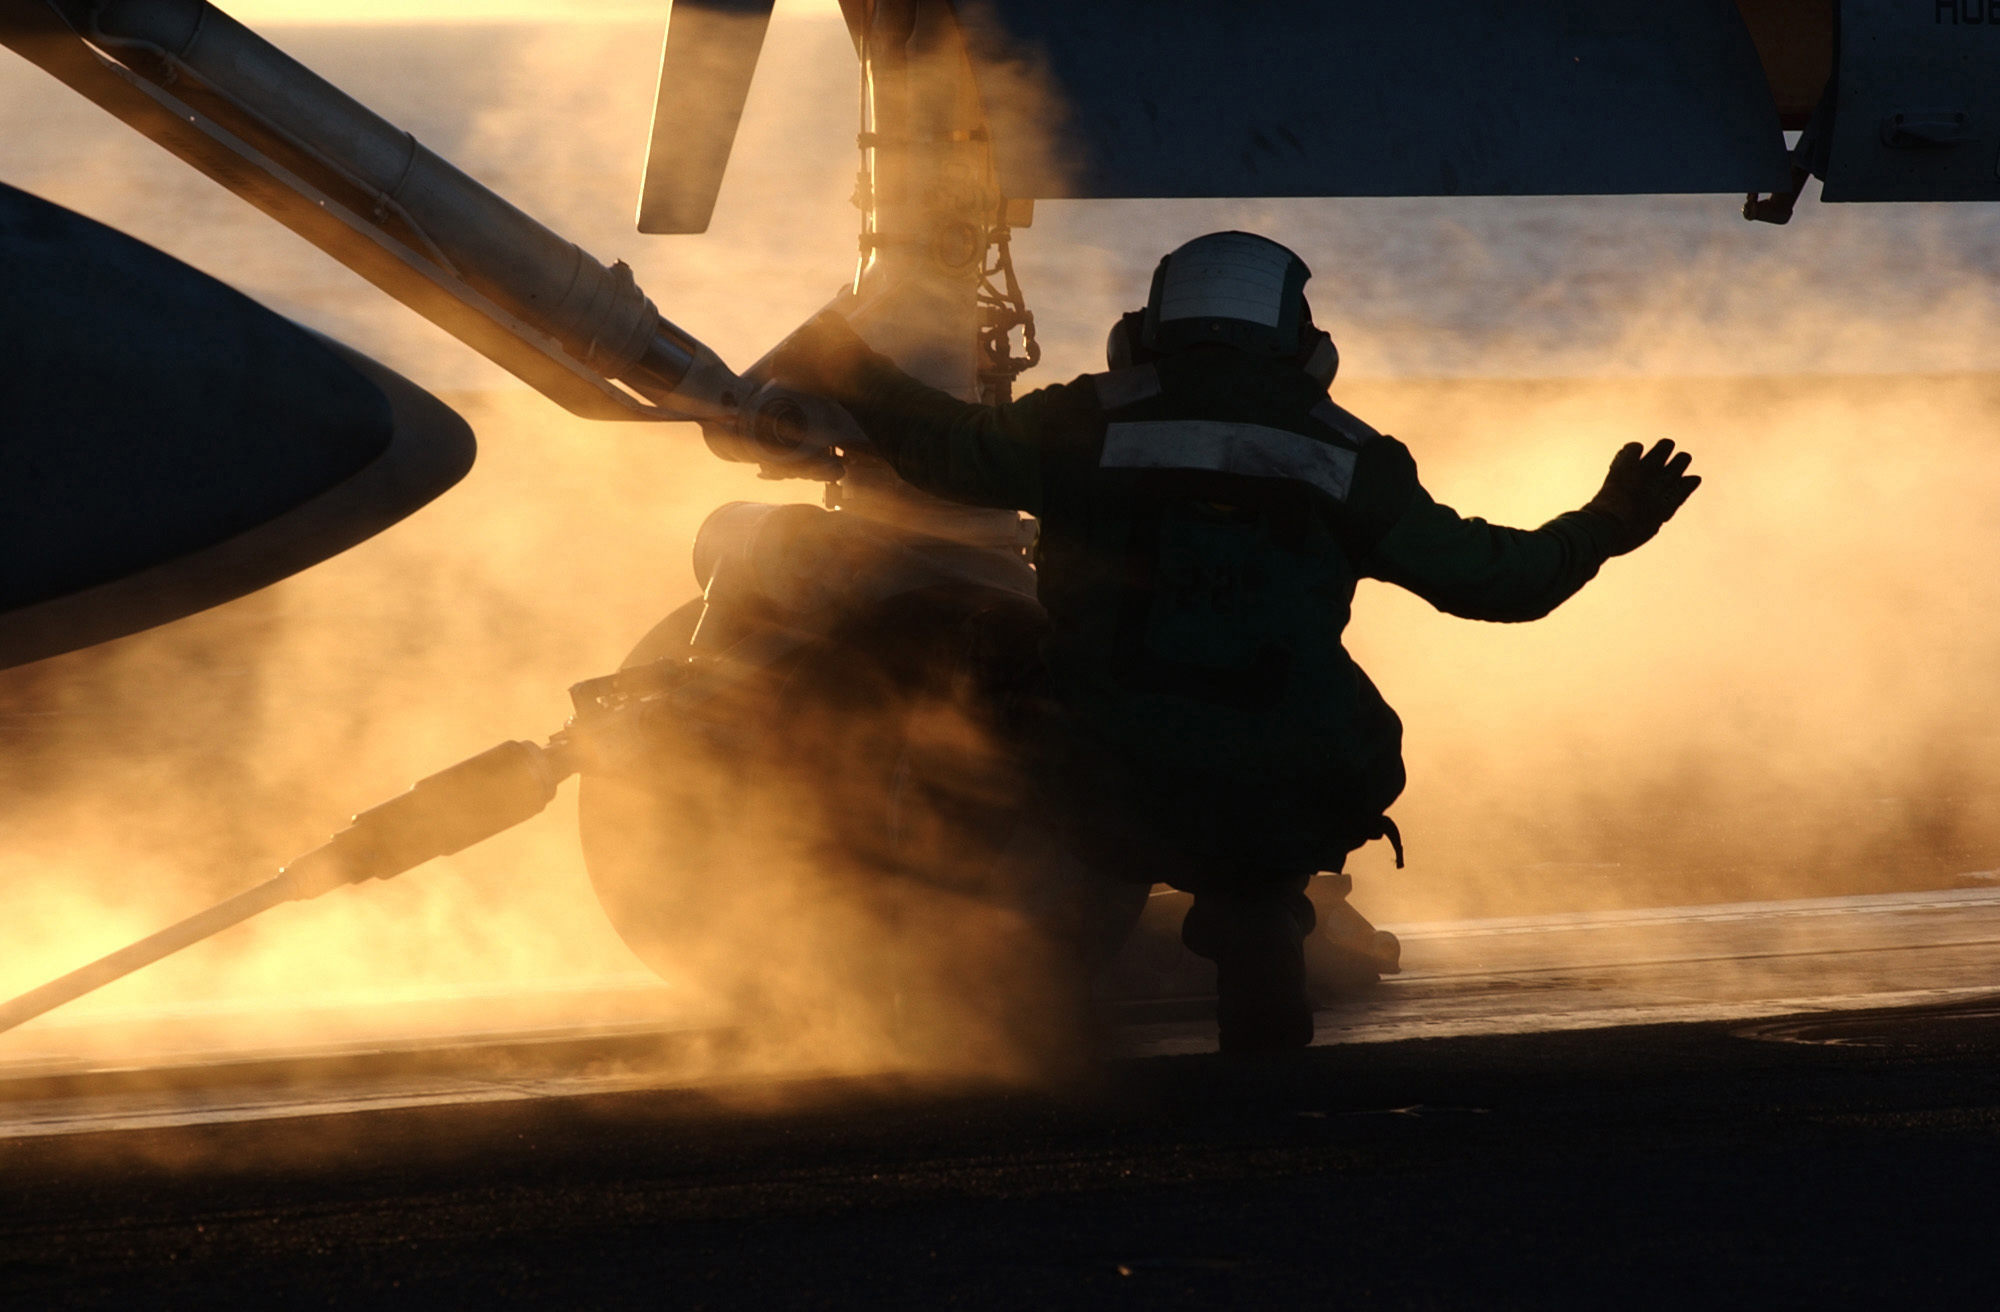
1252	450
1127	386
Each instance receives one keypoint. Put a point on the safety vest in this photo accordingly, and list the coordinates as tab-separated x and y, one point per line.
1199	553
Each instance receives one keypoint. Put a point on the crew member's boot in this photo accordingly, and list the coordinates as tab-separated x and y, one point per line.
1346	956
1258	947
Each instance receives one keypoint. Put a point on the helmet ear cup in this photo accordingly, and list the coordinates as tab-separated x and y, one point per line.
1124	347
1320	358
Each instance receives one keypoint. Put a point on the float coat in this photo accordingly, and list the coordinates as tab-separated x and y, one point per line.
1204	521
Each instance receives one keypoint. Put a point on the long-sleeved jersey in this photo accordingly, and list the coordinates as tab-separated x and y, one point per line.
1204	521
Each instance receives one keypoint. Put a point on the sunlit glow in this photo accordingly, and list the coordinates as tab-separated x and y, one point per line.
375	13
1790	692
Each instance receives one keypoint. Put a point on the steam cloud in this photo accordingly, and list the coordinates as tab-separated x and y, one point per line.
1790	692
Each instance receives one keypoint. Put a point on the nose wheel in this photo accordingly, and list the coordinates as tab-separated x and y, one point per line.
853	826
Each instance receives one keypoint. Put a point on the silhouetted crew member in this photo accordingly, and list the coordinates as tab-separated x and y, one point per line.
1206	511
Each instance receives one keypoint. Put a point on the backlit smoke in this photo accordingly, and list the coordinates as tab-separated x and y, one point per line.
1789	693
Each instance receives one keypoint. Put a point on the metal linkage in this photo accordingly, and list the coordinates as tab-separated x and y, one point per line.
441	814
366	192
444	813
1002	309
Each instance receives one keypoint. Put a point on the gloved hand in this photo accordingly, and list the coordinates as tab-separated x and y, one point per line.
824	358
1643	492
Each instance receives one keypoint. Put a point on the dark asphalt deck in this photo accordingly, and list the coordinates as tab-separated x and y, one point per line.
1840	1161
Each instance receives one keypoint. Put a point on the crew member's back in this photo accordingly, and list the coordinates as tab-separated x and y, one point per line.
1206	511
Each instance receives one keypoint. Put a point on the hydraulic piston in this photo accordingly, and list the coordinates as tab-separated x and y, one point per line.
441	814
371	195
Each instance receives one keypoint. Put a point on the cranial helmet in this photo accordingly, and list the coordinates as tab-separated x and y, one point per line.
1234	288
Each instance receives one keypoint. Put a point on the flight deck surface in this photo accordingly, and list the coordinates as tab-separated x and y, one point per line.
1758	1104
150	1069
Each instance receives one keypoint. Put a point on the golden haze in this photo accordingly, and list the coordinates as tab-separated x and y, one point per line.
1789	692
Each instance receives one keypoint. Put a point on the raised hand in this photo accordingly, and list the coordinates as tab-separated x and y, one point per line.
1642	492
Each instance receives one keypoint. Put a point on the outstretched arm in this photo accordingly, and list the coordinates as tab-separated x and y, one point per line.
978	454
1482	571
